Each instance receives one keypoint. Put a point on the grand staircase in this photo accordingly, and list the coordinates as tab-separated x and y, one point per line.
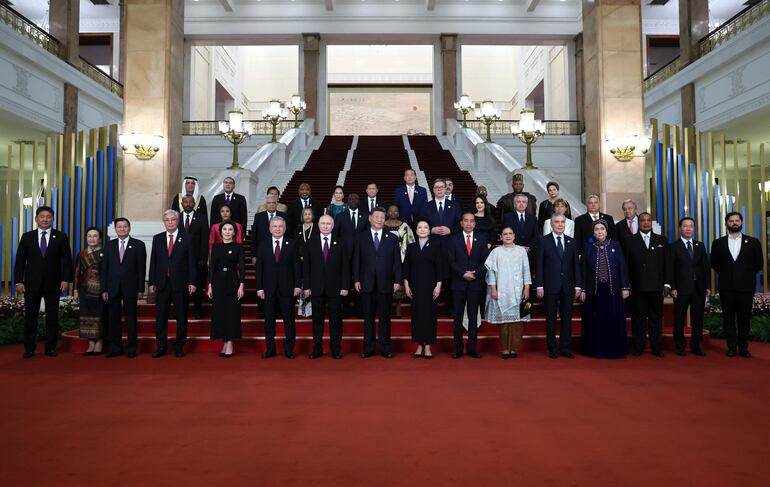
436	162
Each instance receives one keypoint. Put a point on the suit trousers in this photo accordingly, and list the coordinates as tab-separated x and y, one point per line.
695	302
646	317
378	301
738	305
163	301
32	312
274	302
563	300
460	298
122	306
334	304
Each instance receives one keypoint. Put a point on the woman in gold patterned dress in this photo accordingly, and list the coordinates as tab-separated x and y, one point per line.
87	292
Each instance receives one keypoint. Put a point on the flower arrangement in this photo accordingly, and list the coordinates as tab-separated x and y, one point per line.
761	305
11	306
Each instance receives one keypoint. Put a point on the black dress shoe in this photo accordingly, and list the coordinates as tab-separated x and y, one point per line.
221	354
179	353
745	354
505	356
336	356
681	353
456	355
28	354
268	354
731	353
51	353
158	353
88	354
289	354
115	354
228	355
315	354
698	352
131	355
567	354
428	356
387	355
659	353
553	355
97	353
366	354
473	354
510	355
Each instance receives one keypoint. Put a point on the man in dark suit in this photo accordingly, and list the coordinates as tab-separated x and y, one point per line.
260	229
628	226
647	258
558	280
279	282
736	258
584	224
237	203
467	270
190	187
122	285
326	279
173	274
450	186
196	225
410	198
372	199
43	270
689	279
377	275
524	227
300	203
506	202
347	226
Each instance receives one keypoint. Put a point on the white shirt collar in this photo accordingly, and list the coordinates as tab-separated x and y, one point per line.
648	234
439	200
47	232
465	235
556	236
174	233
685	240
228	194
124	239
381	230
740	235
276	239
520	213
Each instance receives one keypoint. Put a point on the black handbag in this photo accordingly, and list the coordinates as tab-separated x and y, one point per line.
525	308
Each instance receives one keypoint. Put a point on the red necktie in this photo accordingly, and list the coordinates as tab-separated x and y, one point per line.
170	243
468	244
631	225
277	251
187	223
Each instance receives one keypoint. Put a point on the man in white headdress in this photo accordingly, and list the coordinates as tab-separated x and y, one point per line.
191	187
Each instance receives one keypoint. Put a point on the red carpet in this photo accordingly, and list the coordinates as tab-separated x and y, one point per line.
202	420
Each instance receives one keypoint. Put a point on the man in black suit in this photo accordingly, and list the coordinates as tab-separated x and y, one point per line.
524	226
300	203
372	200
377	275
190	187
647	261
122	285
689	279
467	269
629	225
43	270
279	282
347	226
173	274
558	280
236	202
196	225
450	186
260	229
736	258
584	224
326	279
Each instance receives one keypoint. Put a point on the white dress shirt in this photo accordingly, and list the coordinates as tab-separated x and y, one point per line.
329	241
47	236
734	244
647	237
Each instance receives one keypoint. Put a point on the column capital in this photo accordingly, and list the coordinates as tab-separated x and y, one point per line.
448	42
311	41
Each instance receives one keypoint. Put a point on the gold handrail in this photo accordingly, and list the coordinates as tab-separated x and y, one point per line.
551	127
662	74
211	127
731	28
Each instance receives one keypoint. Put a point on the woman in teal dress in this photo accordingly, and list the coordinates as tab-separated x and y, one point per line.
338	204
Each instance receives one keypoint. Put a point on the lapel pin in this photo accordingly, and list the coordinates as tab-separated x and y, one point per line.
53	236
101	254
229	251
746	241
613	250
334	243
129	246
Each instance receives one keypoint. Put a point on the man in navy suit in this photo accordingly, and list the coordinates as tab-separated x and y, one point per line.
260	229
43	270
279	282
122	285
558	280
410	198
347	226
736	258
377	275
524	227
173	273
468	285
325	280
236	202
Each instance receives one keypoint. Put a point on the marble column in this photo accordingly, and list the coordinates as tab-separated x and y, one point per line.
448	78
153	94
693	26
311	46
64	25
612	106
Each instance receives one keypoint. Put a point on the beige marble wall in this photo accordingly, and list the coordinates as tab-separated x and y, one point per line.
448	78
612	66
153	98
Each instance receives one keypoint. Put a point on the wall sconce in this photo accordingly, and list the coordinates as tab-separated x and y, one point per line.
464	105
235	131
296	105
142	147
626	148
27	201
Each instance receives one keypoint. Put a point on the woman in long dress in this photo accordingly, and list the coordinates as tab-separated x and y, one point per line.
508	278
422	283
560	206
307	230
606	285
226	288
338	204
485	219
547	207
403	232
87	292
215	236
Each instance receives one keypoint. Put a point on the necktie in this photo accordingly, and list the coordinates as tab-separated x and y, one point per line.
440	211
410	190
227	198
122	251
304	203
270	217
631	226
377	241
468	244
689	250
43	244
371	205
595	217
326	249
647	241
277	251
187	223
353	219
170	243
559	246
521	219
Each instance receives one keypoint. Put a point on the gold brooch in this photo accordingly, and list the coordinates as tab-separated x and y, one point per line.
53	236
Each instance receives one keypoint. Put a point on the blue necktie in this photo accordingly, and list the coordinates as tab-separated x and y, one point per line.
689	250
440	212
377	241
559	246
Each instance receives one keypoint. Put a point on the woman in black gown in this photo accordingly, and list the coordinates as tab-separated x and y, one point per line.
226	288
606	285
485	219
422	283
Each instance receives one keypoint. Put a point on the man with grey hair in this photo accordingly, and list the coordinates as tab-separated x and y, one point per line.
628	226
260	229
525	229
172	279
584	224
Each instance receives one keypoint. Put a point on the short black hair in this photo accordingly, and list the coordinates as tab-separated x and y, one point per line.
97	230
121	219
235	228
644	213
552	183
41	209
469	212
273	187
422	219
684	219
379	208
733	213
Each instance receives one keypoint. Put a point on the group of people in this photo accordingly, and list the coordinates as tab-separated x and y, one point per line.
361	253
